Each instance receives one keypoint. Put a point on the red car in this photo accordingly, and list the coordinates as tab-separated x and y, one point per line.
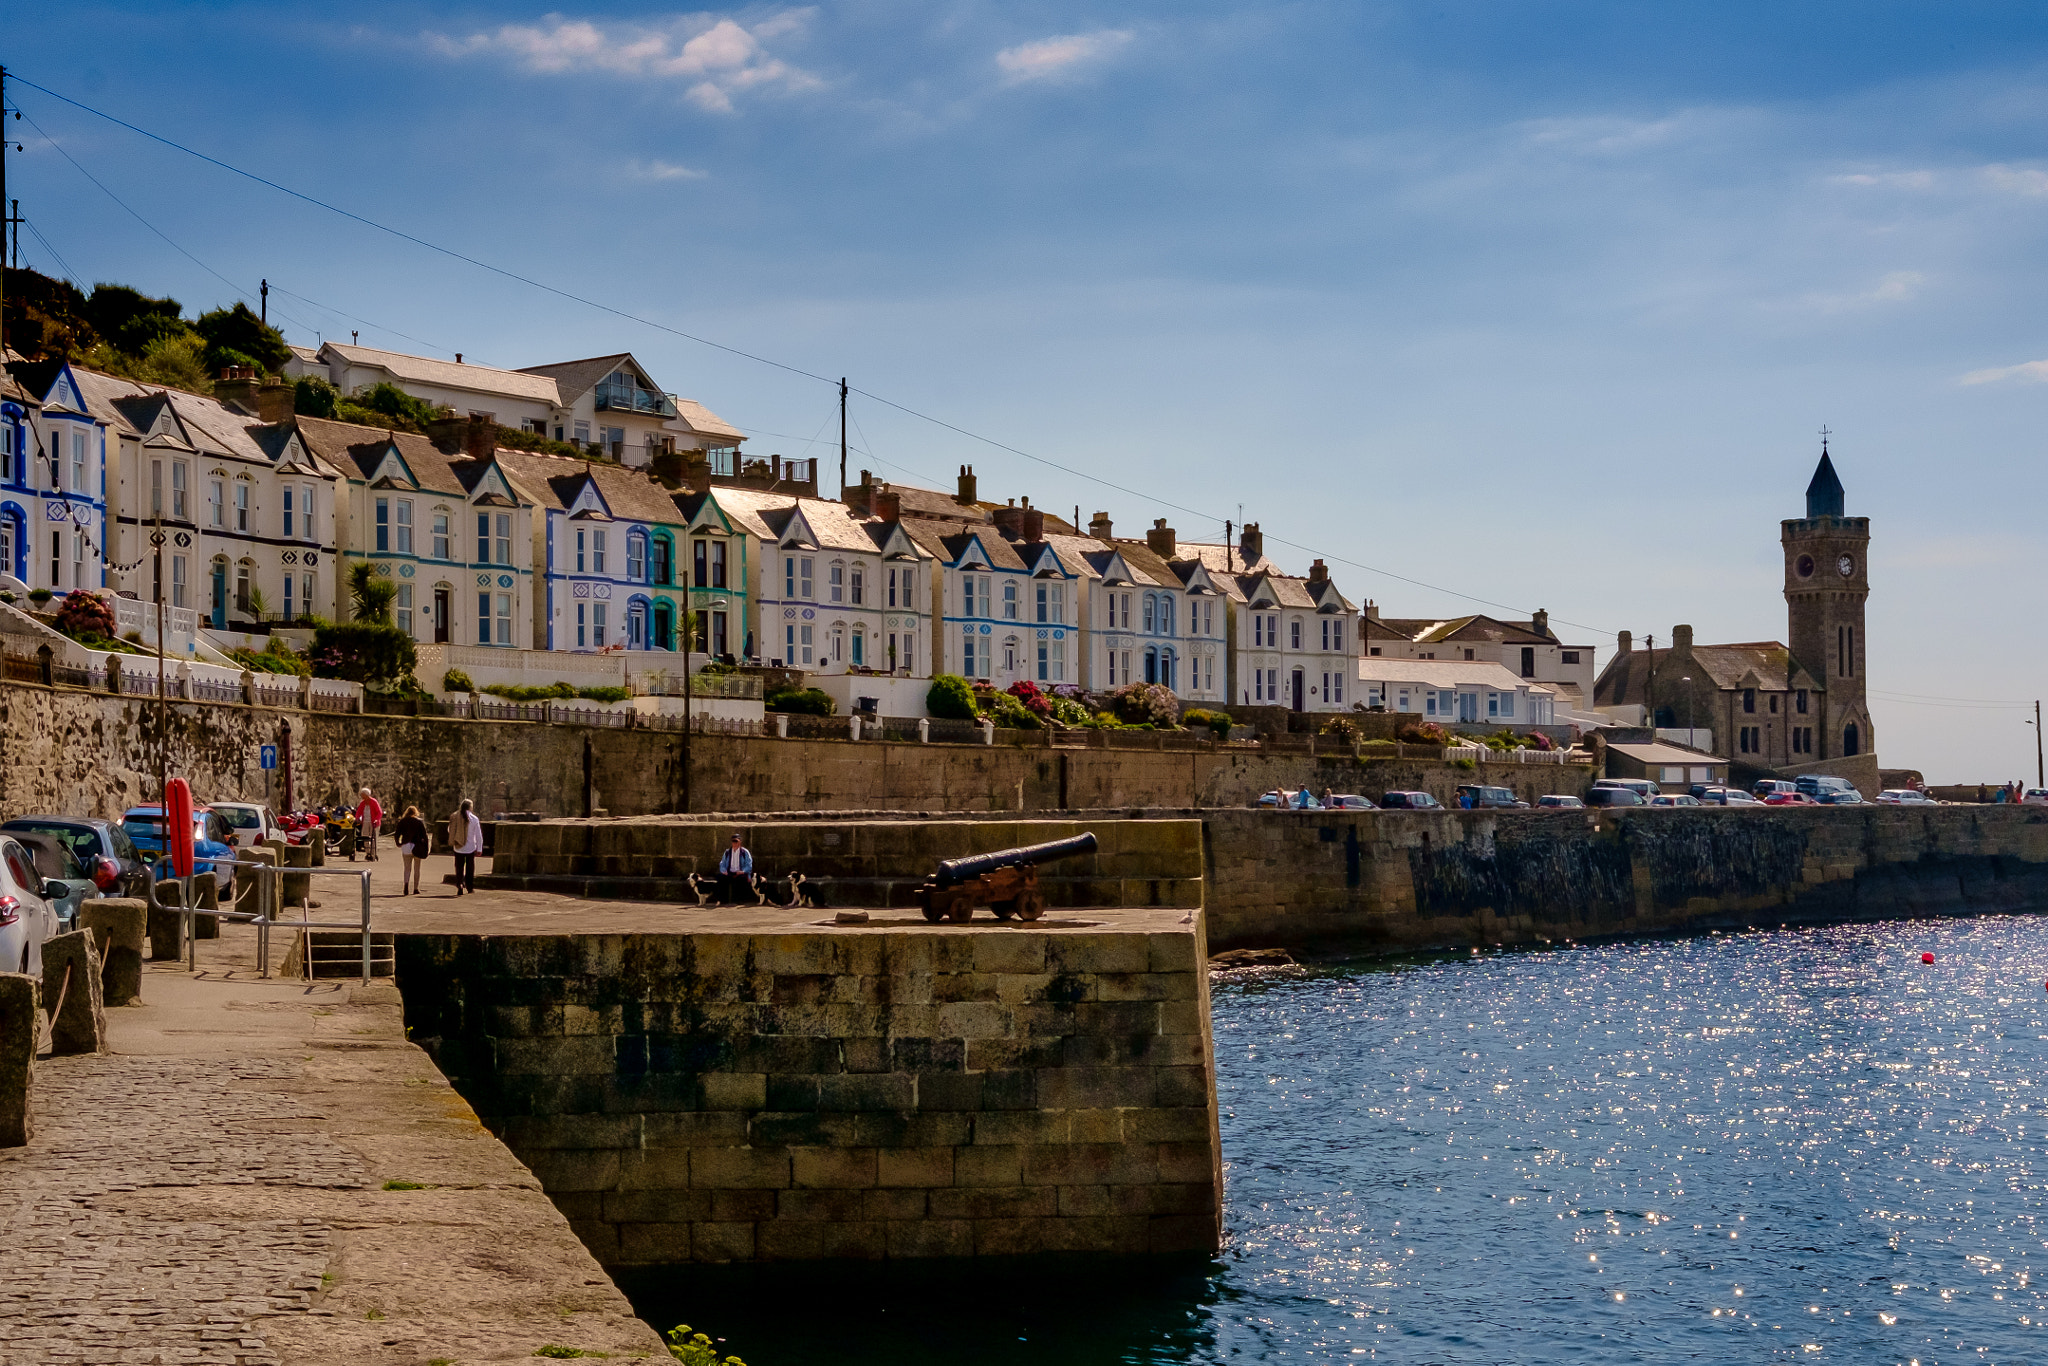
1789	799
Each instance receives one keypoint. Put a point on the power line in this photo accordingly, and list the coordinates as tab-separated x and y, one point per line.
747	355
62	264
280	289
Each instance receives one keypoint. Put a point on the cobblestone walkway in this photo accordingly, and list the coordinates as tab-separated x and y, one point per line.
83	1281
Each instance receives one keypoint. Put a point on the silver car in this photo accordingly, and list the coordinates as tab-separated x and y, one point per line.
26	917
58	866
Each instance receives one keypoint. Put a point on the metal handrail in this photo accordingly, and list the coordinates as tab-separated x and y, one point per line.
269	896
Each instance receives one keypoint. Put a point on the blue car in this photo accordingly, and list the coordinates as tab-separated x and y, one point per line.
211	839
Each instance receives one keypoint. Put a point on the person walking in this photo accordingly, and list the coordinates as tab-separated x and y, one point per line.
466	838
369	819
411	837
735	872
1302	800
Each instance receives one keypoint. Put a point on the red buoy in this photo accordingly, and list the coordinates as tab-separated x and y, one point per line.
1927	958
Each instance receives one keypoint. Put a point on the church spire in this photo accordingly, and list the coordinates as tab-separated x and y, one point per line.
1824	494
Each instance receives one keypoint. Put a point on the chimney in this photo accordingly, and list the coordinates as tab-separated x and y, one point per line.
1681	637
1541	622
966	496
1318	574
1372	610
1160	539
277	401
1098	526
860	498
887	504
237	388
1033	522
1623	642
458	358
449	434
480	438
668	467
1009	522
697	471
1251	545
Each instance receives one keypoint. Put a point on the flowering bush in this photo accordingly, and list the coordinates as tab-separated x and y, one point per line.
1541	741
84	615
1342	728
1137	704
1027	692
1423	733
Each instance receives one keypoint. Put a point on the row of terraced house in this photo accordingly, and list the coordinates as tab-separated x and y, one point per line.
660	522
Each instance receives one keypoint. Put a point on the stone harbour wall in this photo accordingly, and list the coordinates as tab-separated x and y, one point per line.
883	1091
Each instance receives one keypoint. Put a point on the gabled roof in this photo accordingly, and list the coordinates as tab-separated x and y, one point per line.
446	374
1625	680
357	452
1475	629
701	420
953	549
575	378
173	419
1223	559
487	482
930	503
1445	673
1664	752
831	524
565	482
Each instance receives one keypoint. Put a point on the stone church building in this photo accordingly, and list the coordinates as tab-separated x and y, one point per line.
1772	708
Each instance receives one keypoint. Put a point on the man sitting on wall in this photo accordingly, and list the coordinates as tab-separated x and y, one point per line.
735	873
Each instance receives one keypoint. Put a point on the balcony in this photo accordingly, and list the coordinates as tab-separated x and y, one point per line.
640	401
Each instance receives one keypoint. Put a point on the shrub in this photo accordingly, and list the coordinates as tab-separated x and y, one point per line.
1467	764
1423	733
1538	740
531	692
1379	748
1342	728
1010	713
276	657
1145	704
1068	712
373	653
799	701
609	692
455	680
695	1349
1027	692
39	596
86	615
1199	718
951	698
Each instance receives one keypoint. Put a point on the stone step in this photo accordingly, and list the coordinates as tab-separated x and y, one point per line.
338	953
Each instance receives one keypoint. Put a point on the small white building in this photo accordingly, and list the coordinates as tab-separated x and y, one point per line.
1455	692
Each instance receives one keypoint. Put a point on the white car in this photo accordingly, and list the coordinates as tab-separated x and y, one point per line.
1905	796
2034	796
251	822
27	913
1674	799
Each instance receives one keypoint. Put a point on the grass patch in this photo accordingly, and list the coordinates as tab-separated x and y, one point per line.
406	1186
561	1353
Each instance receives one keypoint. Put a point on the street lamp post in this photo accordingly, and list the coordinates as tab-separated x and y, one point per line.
2040	769
1689	743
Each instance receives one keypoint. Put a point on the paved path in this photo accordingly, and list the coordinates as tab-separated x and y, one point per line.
266	1172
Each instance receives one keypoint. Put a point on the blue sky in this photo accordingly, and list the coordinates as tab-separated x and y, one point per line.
1541	303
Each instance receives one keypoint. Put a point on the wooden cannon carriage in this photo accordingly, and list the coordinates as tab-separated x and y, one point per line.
1005	881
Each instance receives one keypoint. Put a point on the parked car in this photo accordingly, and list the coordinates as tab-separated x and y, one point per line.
1817	785
1642	787
1906	796
1288	801
1846	797
2034	796
1615	796
1674	799
211	840
1789	799
1350	801
1762	788
1483	796
26	917
102	848
251	822
1561	801
54	863
1727	796
1409	801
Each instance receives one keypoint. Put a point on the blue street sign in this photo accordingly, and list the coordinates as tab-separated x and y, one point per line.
268	755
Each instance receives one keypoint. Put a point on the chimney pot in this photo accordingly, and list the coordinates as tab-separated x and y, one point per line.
1318	573
458	358
1160	539
965	496
1251	544
1009	520
1032	522
1099	526
1541	621
888	505
1623	642
1681	637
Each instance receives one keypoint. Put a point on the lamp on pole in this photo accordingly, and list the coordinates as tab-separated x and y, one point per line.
2040	769
1687	680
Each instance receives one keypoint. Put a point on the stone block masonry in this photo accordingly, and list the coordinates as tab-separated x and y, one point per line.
880	1091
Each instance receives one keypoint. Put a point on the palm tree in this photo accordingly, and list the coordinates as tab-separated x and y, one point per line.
370	592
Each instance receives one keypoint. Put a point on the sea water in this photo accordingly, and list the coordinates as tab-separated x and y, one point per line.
1769	1146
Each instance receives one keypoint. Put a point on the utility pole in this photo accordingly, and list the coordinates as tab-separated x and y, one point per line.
163	734
17	233
2040	769
266	303
842	438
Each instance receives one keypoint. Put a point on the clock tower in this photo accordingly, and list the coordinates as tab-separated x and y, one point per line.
1827	581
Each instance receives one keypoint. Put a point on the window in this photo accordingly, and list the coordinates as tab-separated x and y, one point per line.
661	565
1049	596
306	593
582	625
967	668
178	581
803	635
1749	700
1333	688
78	480
401	613
718	633
289	613
1294	634
1799	701
56	559
290	525
636	560
718	564
217	503
580	548
1009	602
1165	610
803	577
1570	656
855	588
483	618
1774	704
503	542
1150	608
1528	661
1507	705
7	452
597	538
892	588
180	478
383	524
404	529
504	601
242	586
597	615
156	477
78	579
241	505
1209	619
582	433
909	581
440	545
982	582
835	583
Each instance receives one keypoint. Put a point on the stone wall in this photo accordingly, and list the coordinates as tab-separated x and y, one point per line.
94	754
1393	881
892	1090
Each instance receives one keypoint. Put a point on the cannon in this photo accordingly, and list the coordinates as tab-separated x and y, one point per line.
1005	881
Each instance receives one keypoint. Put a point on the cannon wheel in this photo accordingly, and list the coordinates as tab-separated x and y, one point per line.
1003	909
1029	905
959	908
934	910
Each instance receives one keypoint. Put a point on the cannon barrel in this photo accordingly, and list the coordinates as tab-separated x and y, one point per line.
957	870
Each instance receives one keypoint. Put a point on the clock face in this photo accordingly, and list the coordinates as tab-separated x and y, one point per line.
1804	566
1845	566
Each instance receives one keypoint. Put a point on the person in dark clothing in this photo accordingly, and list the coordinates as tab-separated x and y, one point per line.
411	836
735	873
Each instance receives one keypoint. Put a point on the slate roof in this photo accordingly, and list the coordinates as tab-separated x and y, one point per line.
357	451
1662	753
1475	628
1445	673
632	495
947	546
1223	559
214	429
1624	681
767	515
704	422
575	378
448	374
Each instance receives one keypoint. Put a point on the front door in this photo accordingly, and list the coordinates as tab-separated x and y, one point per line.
1300	679
664	627
220	596
441	615
1468	706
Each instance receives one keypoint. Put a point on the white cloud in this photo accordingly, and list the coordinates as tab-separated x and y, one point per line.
717	57
1051	57
2017	179
2034	371
662	170
1887	180
1607	136
1896	287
